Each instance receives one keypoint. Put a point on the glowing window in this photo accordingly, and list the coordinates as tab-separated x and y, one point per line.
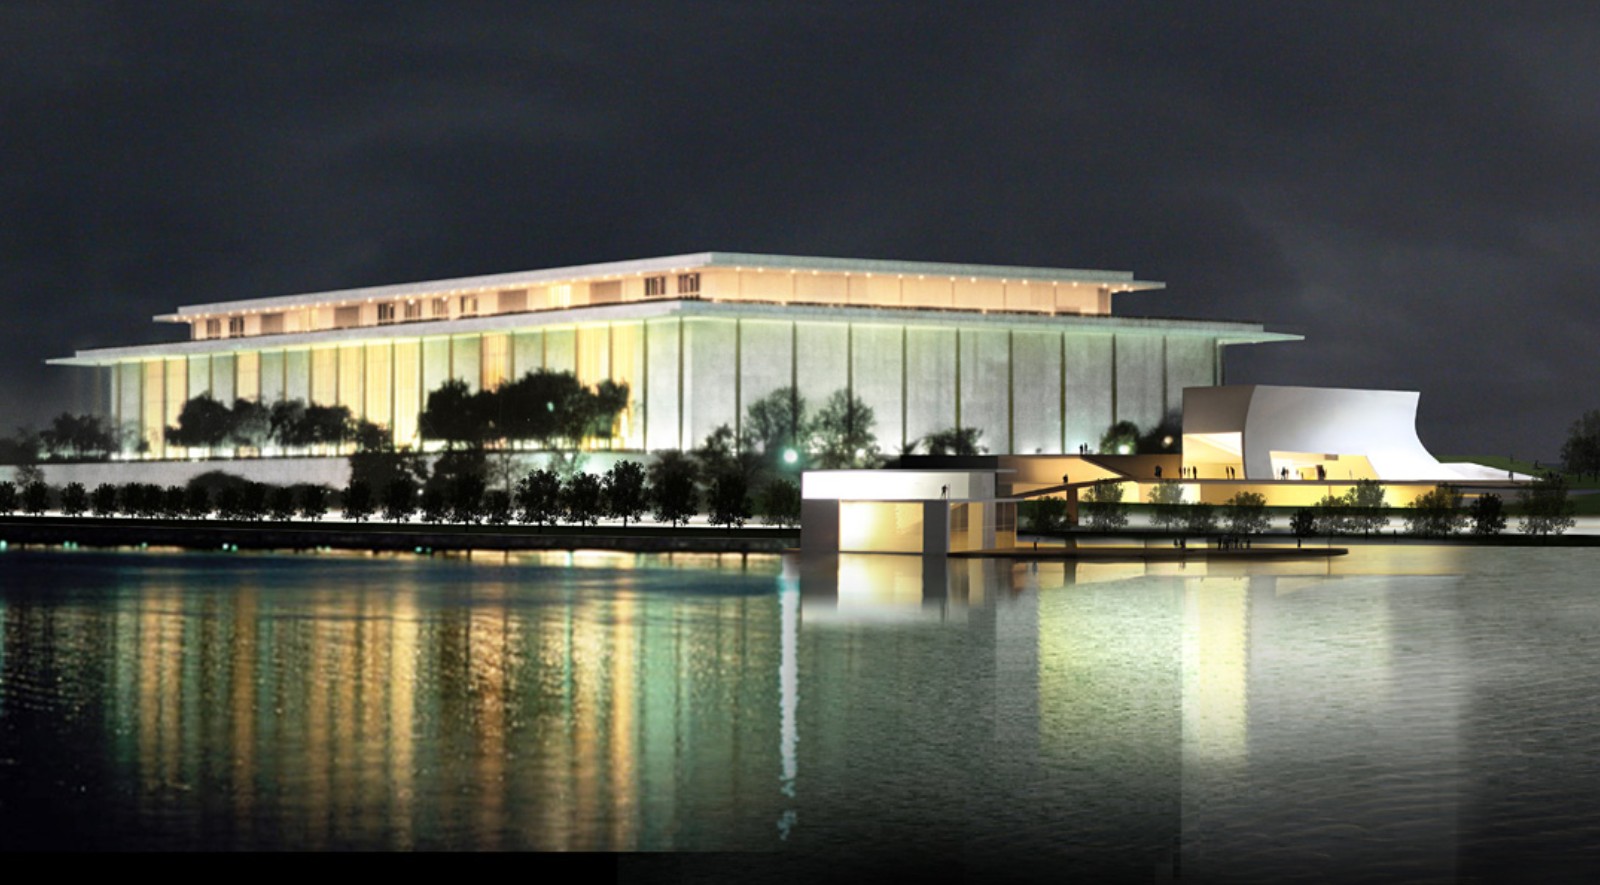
655	286
385	314
688	284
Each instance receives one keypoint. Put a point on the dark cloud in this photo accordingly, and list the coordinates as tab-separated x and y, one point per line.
1410	185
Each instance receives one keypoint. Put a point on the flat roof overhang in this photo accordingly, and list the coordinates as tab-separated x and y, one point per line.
1120	281
1226	332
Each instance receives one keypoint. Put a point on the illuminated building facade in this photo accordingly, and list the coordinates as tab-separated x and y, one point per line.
1032	357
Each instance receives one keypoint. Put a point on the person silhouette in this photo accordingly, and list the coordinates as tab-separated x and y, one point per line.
1158	472
1283	474
1321	474
944	492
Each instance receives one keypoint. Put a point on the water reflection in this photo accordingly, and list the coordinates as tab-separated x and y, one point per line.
1227	722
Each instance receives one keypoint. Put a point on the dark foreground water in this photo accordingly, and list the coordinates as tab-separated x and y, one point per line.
1401	714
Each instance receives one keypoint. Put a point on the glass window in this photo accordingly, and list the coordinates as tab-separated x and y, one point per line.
655	286
688	284
413	310
385	314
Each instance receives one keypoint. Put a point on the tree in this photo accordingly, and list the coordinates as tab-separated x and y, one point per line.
357	501
1546	510
672	488
581	499
9	499
35	498
1581	452
730	505
1121	438
1103	507
1366	511
842	433
196	501
1166	499
454	416
326	425
1303	523
1488	515
1200	518
172	500
250	424
539	498
465	494
1333	515
1436	513
399	499
74	499
719	453
624	491
954	441
102	501
435	506
1246	513
496	507
314	501
230	502
253	502
280	503
779	503
80	436
202	423
776	423
286	424
1044	514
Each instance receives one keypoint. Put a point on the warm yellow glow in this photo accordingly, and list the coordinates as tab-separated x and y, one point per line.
377	385
496	360
1215	669
247	376
325	376
351	376
880	527
407	395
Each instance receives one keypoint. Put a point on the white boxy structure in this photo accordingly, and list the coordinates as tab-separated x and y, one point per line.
931	512
1033	357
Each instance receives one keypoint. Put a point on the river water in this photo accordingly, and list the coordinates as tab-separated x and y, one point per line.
1405	713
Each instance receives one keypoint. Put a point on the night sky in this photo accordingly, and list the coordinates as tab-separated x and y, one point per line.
1413	186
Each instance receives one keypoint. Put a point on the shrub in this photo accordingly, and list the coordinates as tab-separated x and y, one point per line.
102	501
9	500
74	499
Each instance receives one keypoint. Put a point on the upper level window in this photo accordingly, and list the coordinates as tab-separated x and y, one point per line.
469	305
688	284
213	328
654	286
235	326
441	307
385	313
413	310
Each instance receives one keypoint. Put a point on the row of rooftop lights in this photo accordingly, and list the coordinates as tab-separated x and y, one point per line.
445	293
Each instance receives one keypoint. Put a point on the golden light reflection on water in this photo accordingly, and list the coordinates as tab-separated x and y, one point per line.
576	701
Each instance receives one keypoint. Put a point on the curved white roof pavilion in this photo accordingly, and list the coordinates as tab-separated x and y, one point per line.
1268	432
